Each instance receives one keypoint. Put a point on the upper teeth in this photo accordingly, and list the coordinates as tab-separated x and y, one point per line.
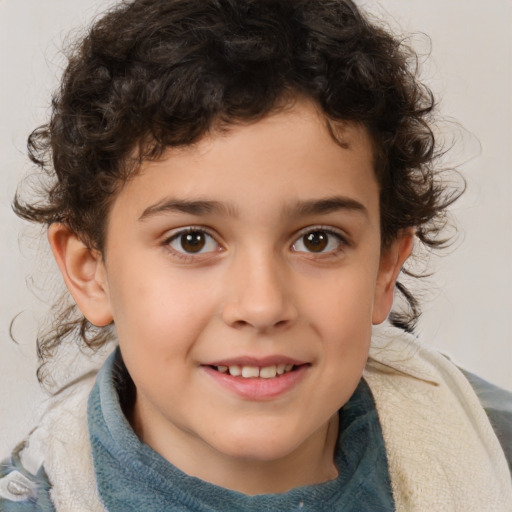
266	372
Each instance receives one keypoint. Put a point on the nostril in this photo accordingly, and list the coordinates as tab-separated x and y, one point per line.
240	323
257	311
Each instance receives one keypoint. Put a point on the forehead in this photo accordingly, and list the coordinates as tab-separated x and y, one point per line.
289	156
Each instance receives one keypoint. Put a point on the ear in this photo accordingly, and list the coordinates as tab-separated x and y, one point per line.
391	262
84	273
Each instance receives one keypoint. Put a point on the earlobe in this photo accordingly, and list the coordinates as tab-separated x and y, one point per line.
84	273
391	262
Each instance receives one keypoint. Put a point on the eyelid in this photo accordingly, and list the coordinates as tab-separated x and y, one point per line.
189	228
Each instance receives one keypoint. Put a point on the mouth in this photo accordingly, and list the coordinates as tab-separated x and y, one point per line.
258	380
256	372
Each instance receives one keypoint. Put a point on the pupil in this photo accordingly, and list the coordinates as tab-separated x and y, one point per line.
193	242
316	241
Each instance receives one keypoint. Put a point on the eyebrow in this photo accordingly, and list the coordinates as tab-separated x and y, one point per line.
327	205
186	206
301	208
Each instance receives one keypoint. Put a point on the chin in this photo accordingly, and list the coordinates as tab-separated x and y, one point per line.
260	445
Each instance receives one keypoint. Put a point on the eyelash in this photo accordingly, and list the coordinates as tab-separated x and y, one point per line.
191	256
342	241
341	244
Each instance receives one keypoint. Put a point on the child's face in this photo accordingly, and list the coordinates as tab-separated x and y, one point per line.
258	248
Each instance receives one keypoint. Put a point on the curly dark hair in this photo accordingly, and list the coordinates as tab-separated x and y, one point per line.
154	74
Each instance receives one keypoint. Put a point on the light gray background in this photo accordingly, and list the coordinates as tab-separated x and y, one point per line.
467	308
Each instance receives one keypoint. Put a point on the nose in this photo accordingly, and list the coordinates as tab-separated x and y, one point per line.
259	294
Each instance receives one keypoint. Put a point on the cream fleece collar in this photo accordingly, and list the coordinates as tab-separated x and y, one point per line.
442	452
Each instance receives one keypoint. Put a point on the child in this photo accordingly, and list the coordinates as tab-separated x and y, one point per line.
236	186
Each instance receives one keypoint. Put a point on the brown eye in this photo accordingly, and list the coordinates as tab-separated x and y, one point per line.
318	241
193	242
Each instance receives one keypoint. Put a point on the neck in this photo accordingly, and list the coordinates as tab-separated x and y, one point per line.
310	463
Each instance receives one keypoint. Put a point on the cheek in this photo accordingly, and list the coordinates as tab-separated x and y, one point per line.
344	299
342	315
153	309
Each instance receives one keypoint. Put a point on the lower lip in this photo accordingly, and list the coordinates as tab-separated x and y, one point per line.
258	389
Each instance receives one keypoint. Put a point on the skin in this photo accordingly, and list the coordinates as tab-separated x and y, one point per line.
256	289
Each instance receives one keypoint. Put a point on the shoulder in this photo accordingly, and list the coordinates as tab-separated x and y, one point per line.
41	463
22	490
497	403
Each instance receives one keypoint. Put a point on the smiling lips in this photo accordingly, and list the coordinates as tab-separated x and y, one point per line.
257	380
247	372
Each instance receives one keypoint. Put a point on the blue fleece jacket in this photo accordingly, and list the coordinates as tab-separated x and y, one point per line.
132	477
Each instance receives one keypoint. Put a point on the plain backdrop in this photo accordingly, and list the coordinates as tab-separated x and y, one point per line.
467	304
